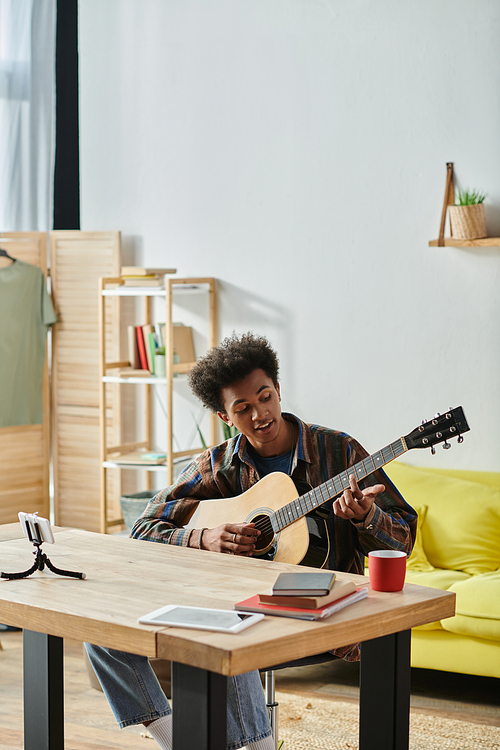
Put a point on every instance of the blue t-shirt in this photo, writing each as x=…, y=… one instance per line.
x=267, y=464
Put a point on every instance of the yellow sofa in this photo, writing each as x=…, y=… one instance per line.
x=457, y=549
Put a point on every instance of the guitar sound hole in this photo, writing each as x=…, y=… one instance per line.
x=266, y=538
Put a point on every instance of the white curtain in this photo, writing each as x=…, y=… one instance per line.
x=27, y=114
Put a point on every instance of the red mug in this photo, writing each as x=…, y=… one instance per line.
x=387, y=569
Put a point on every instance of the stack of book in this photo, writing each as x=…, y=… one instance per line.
x=305, y=596
x=144, y=342
x=139, y=276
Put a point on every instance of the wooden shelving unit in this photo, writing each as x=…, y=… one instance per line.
x=131, y=455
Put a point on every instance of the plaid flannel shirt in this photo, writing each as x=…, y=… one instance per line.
x=320, y=454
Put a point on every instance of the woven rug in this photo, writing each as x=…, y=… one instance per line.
x=315, y=724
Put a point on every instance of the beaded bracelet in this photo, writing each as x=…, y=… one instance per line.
x=200, y=535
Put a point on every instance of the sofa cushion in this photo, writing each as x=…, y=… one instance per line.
x=477, y=608
x=418, y=559
x=462, y=524
x=436, y=579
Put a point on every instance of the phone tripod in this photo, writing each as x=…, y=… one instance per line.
x=41, y=560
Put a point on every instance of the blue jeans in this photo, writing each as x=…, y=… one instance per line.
x=135, y=696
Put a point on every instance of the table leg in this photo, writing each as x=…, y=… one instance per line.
x=43, y=691
x=199, y=708
x=384, y=710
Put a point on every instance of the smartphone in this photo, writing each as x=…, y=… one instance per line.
x=36, y=528
x=201, y=618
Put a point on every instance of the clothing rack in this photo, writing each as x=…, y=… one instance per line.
x=25, y=449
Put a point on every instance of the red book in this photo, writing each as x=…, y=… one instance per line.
x=339, y=590
x=253, y=605
x=141, y=347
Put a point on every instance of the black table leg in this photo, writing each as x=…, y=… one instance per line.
x=384, y=711
x=43, y=691
x=199, y=709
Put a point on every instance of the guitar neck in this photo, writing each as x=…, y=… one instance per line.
x=304, y=504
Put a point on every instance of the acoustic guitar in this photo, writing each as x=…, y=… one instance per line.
x=293, y=526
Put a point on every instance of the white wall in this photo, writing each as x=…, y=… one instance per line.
x=296, y=150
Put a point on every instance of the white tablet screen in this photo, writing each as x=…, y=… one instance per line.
x=207, y=618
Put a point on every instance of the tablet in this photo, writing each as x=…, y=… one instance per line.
x=200, y=618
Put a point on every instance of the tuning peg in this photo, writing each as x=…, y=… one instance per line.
x=460, y=439
x=433, y=450
x=446, y=445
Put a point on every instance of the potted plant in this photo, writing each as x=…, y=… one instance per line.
x=467, y=220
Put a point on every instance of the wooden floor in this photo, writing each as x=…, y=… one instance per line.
x=90, y=725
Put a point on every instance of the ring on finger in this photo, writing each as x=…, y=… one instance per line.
x=234, y=538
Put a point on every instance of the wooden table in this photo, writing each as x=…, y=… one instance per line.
x=127, y=578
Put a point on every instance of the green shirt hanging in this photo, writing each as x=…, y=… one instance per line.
x=26, y=312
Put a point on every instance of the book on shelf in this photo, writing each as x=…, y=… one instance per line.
x=183, y=343
x=304, y=584
x=158, y=457
x=142, y=348
x=144, y=342
x=137, y=457
x=159, y=332
x=141, y=281
x=338, y=590
x=134, y=373
x=146, y=330
x=141, y=271
x=133, y=351
x=301, y=613
x=153, y=346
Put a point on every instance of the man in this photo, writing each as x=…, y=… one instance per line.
x=239, y=381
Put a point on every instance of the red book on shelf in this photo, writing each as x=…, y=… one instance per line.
x=141, y=347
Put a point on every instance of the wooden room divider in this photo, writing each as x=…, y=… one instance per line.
x=77, y=260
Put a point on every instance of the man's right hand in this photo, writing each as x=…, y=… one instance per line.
x=229, y=538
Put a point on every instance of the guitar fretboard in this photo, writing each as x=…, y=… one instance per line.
x=302, y=505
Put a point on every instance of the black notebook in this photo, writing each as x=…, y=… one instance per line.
x=304, y=584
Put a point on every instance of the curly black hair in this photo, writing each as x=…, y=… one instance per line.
x=234, y=359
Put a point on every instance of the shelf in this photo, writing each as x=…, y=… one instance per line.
x=154, y=291
x=135, y=291
x=138, y=465
x=454, y=242
x=152, y=380
x=133, y=460
x=179, y=369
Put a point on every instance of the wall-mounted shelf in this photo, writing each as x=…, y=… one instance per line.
x=453, y=242
x=449, y=200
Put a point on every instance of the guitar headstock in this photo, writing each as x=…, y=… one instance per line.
x=438, y=430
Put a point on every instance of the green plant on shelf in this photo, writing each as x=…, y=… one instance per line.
x=469, y=197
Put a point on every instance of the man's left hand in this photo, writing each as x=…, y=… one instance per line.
x=354, y=504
